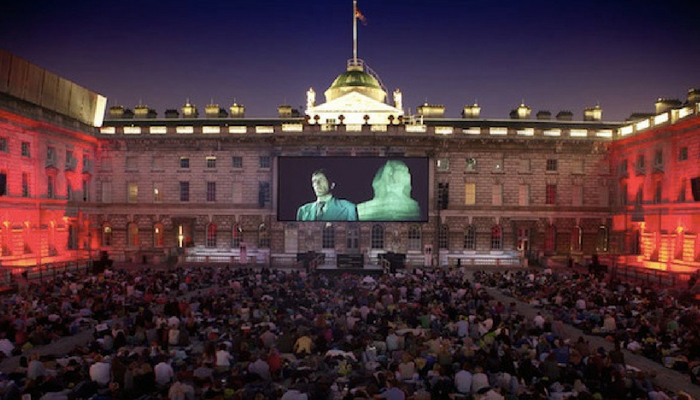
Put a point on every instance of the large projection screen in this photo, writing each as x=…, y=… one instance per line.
x=362, y=188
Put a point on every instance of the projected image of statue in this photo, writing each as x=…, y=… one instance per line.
x=326, y=207
x=392, y=195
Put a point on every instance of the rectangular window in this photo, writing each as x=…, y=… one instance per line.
x=497, y=194
x=50, y=192
x=443, y=195
x=683, y=154
x=640, y=166
x=470, y=194
x=157, y=163
x=86, y=162
x=25, y=184
x=237, y=162
x=659, y=159
x=525, y=166
x=26, y=149
x=578, y=167
x=551, y=194
x=604, y=196
x=86, y=190
x=131, y=163
x=658, y=193
x=265, y=161
x=328, y=237
x=211, y=162
x=3, y=145
x=524, y=195
x=70, y=161
x=69, y=191
x=263, y=194
x=499, y=165
x=623, y=194
x=471, y=164
x=552, y=164
x=51, y=156
x=622, y=169
x=443, y=164
x=184, y=191
x=211, y=191
x=106, y=192
x=184, y=162
x=132, y=192
x=3, y=184
x=106, y=164
x=157, y=193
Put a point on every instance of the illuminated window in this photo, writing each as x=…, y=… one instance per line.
x=132, y=234
x=444, y=237
x=576, y=239
x=211, y=191
x=443, y=164
x=157, y=192
x=26, y=149
x=132, y=192
x=50, y=190
x=211, y=236
x=184, y=162
x=184, y=191
x=496, y=238
x=602, y=240
x=414, y=238
x=264, y=161
x=106, y=235
x=470, y=238
x=211, y=162
x=263, y=237
x=237, y=162
x=524, y=195
x=377, y=237
x=470, y=193
x=471, y=164
x=497, y=194
x=236, y=236
x=328, y=237
x=683, y=154
x=352, y=238
x=25, y=184
x=552, y=164
x=551, y=194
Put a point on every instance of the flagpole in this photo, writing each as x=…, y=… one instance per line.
x=354, y=32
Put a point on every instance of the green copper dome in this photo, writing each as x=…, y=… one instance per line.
x=355, y=79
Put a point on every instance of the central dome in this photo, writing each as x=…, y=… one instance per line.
x=355, y=79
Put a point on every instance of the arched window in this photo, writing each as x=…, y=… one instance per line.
x=576, y=239
x=602, y=240
x=550, y=239
x=106, y=235
x=496, y=238
x=236, y=236
x=444, y=237
x=377, y=238
x=328, y=238
x=211, y=235
x=414, y=238
x=263, y=237
x=470, y=238
x=132, y=234
x=158, y=235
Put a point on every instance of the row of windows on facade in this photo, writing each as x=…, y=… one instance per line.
x=210, y=162
x=640, y=164
x=497, y=191
x=657, y=195
x=377, y=238
x=498, y=165
x=51, y=155
x=50, y=187
x=264, y=192
x=26, y=240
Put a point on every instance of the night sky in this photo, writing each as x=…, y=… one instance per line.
x=556, y=55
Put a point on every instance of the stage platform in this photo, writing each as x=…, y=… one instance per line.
x=332, y=269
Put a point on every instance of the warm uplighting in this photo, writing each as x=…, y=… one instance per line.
x=211, y=129
x=264, y=129
x=184, y=129
x=444, y=130
x=526, y=132
x=237, y=129
x=578, y=133
x=132, y=130
x=498, y=131
x=552, y=132
x=661, y=118
x=158, y=130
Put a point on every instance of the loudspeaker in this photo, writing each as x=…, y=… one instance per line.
x=695, y=187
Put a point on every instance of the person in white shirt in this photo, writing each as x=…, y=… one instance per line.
x=223, y=358
x=164, y=373
x=479, y=380
x=181, y=391
x=463, y=380
x=100, y=371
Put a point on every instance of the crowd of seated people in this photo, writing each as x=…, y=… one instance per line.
x=230, y=333
x=655, y=322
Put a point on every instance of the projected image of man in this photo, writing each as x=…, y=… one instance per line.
x=326, y=207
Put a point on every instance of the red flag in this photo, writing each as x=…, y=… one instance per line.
x=359, y=16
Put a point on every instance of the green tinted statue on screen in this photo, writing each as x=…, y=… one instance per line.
x=326, y=207
x=392, y=195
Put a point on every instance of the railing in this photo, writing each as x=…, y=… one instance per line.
x=651, y=276
x=10, y=277
x=483, y=261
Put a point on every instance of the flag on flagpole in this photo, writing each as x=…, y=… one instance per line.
x=360, y=16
